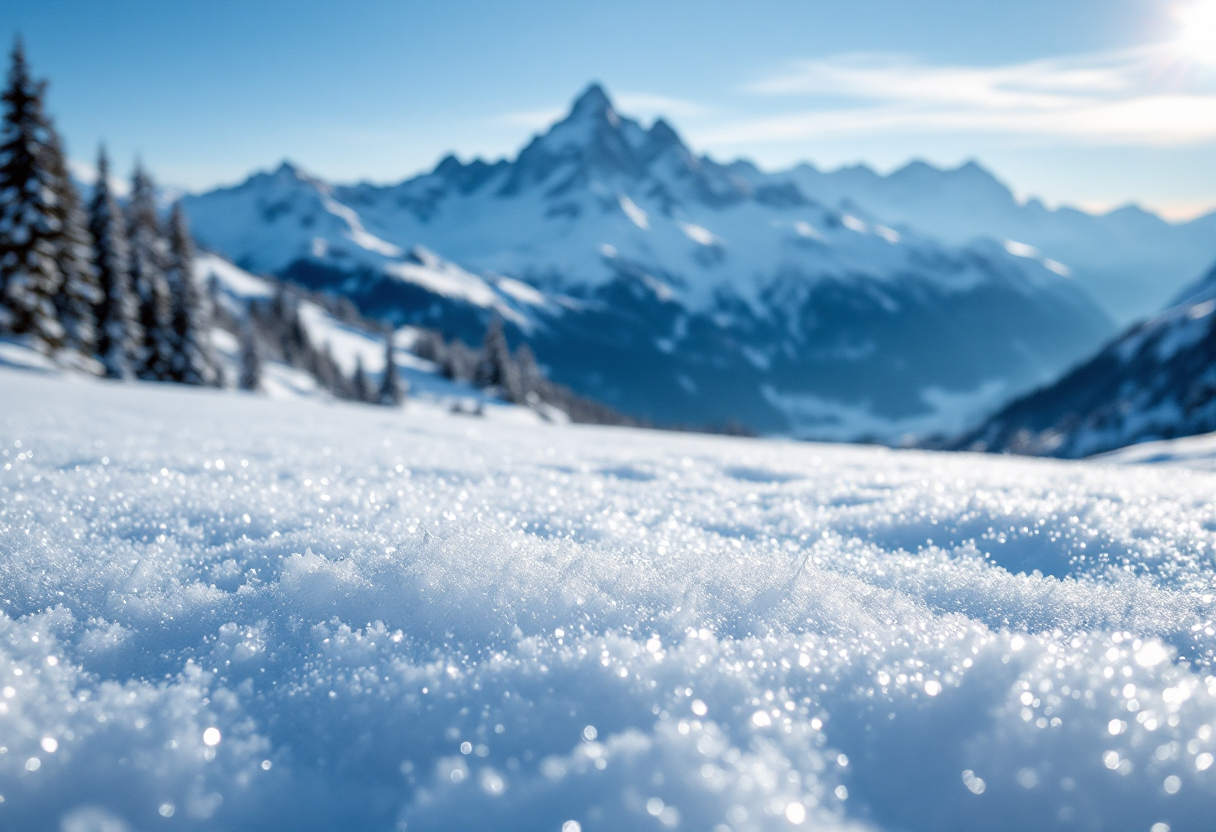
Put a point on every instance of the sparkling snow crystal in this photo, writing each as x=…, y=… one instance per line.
x=219, y=611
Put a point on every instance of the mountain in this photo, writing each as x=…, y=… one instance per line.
x=673, y=287
x=1109, y=255
x=1156, y=381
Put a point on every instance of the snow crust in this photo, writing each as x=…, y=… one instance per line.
x=219, y=611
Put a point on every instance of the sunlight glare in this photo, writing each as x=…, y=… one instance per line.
x=1197, y=31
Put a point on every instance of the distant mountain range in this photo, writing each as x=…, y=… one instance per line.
x=1131, y=261
x=838, y=305
x=1155, y=381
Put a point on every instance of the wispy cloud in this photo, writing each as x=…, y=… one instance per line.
x=1137, y=96
x=532, y=119
x=649, y=105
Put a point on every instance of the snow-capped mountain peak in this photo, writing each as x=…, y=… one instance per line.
x=288, y=175
x=593, y=142
x=748, y=297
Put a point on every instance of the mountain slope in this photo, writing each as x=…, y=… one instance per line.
x=1156, y=381
x=1109, y=254
x=673, y=287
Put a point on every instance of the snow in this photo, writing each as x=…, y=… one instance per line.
x=700, y=234
x=347, y=344
x=854, y=224
x=15, y=353
x=1029, y=252
x=598, y=202
x=805, y=229
x=550, y=229
x=222, y=611
x=1108, y=254
x=945, y=411
x=522, y=292
x=356, y=233
x=237, y=282
x=636, y=215
x=1021, y=249
x=1197, y=452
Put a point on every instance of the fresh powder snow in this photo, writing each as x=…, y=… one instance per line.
x=230, y=612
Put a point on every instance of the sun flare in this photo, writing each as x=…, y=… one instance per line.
x=1197, y=31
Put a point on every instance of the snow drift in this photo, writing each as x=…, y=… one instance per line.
x=227, y=612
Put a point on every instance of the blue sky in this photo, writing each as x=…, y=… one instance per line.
x=1088, y=102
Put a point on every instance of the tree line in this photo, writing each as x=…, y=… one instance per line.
x=272, y=328
x=514, y=376
x=113, y=284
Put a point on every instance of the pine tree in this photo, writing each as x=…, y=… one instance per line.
x=293, y=335
x=192, y=360
x=251, y=359
x=496, y=369
x=392, y=387
x=460, y=361
x=119, y=337
x=362, y=388
x=148, y=278
x=530, y=376
x=430, y=345
x=327, y=372
x=29, y=226
x=79, y=291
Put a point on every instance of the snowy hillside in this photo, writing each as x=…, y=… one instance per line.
x=348, y=345
x=1156, y=381
x=224, y=612
x=673, y=287
x=1195, y=452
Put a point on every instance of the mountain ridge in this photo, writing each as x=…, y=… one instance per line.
x=1108, y=253
x=1155, y=381
x=728, y=293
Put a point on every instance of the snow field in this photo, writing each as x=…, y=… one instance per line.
x=227, y=612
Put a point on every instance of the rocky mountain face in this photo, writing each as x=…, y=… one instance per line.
x=1155, y=381
x=676, y=288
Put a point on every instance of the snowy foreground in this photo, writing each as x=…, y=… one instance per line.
x=233, y=613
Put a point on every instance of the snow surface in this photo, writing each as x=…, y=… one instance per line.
x=221, y=611
x=1198, y=452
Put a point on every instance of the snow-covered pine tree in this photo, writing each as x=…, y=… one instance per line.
x=460, y=361
x=29, y=226
x=430, y=346
x=362, y=388
x=148, y=279
x=295, y=344
x=78, y=292
x=192, y=359
x=251, y=359
x=392, y=386
x=119, y=336
x=327, y=372
x=530, y=376
x=496, y=369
